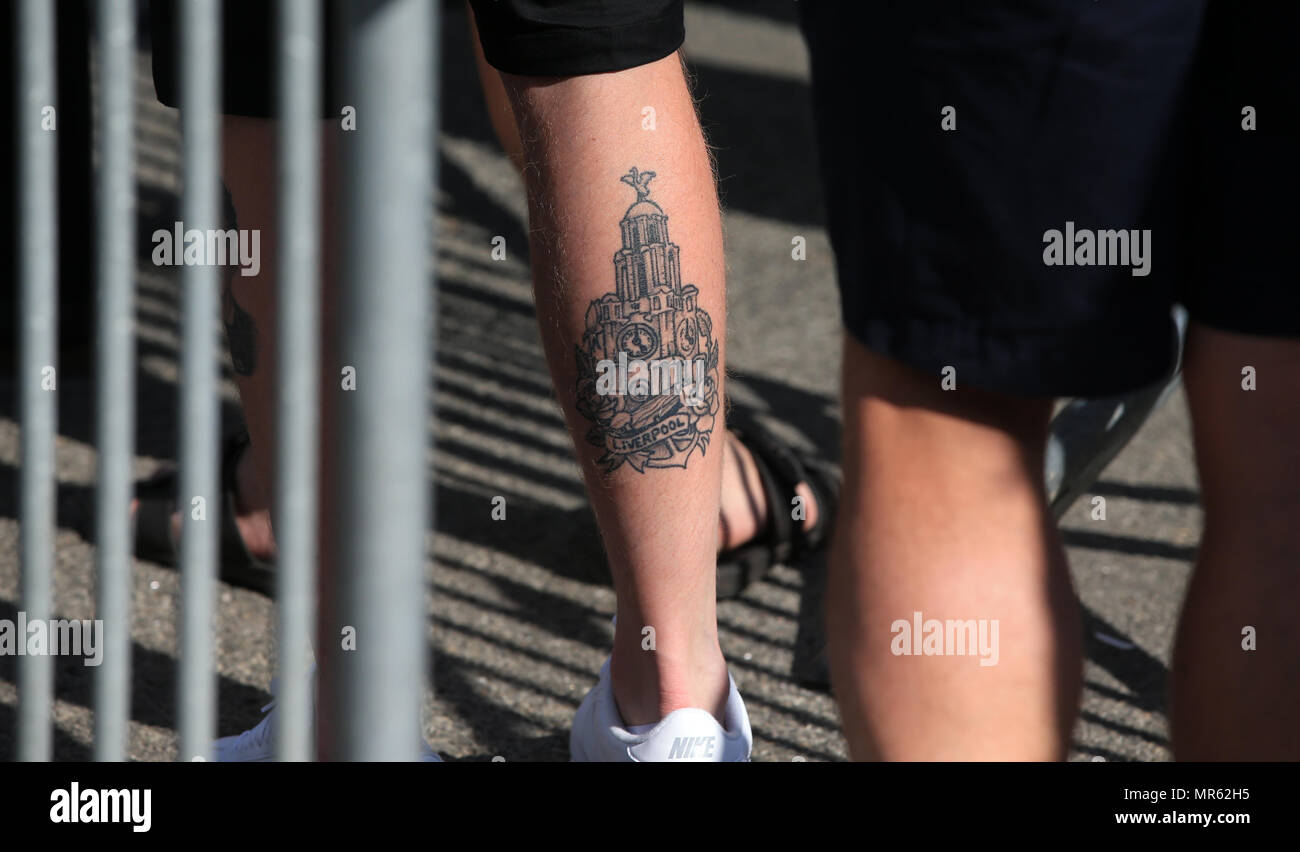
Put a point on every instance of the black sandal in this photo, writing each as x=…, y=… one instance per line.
x=784, y=542
x=154, y=541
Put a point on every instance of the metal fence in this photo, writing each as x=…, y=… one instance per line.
x=389, y=52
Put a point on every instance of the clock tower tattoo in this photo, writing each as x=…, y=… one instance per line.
x=648, y=361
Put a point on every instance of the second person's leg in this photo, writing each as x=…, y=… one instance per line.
x=944, y=515
x=642, y=278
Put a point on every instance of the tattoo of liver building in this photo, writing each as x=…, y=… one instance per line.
x=648, y=361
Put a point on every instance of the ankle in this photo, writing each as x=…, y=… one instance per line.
x=648, y=685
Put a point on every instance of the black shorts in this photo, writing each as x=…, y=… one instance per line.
x=529, y=37
x=1124, y=120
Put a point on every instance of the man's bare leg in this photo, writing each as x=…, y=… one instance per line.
x=1230, y=703
x=248, y=303
x=744, y=509
x=249, y=308
x=581, y=137
x=943, y=513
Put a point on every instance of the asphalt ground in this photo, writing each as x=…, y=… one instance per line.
x=520, y=610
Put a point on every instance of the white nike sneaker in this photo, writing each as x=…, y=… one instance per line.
x=688, y=734
x=258, y=742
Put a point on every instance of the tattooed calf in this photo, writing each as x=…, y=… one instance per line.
x=648, y=362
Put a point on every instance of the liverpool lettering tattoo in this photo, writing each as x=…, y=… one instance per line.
x=648, y=361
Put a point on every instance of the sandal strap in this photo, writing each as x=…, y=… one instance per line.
x=778, y=471
x=781, y=469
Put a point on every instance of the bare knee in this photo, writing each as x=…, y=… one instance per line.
x=896, y=414
x=1245, y=408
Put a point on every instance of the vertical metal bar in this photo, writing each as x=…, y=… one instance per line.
x=115, y=393
x=37, y=268
x=200, y=38
x=384, y=430
x=298, y=359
